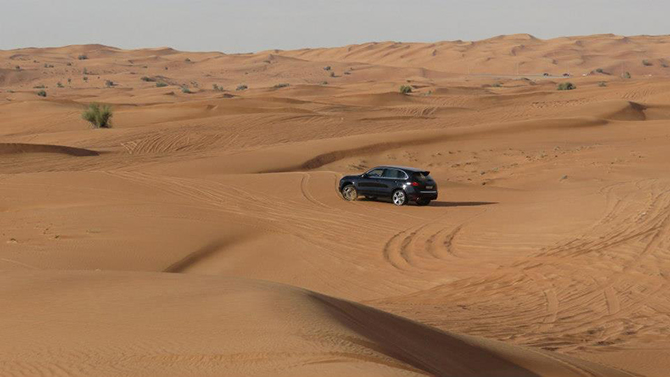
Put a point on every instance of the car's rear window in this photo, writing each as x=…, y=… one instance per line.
x=422, y=176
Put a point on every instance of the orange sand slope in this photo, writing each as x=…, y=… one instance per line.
x=203, y=234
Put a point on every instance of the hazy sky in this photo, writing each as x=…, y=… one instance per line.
x=253, y=25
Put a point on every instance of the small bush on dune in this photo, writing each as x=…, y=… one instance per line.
x=41, y=86
x=217, y=88
x=242, y=87
x=405, y=89
x=109, y=83
x=100, y=116
x=327, y=68
x=147, y=79
x=18, y=67
x=186, y=90
x=602, y=84
x=566, y=86
x=282, y=85
x=60, y=85
x=626, y=75
x=647, y=63
x=161, y=84
x=82, y=57
x=42, y=93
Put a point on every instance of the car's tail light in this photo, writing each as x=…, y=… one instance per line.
x=415, y=184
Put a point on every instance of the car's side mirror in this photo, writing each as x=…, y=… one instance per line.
x=364, y=175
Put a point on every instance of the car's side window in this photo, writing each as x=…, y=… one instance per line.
x=394, y=174
x=375, y=173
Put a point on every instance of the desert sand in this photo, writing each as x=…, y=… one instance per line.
x=203, y=235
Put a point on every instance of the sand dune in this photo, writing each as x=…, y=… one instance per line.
x=213, y=326
x=203, y=234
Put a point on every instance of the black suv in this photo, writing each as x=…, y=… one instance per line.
x=400, y=184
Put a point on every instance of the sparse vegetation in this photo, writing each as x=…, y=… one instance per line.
x=187, y=60
x=60, y=85
x=85, y=71
x=161, y=84
x=41, y=86
x=626, y=75
x=566, y=86
x=405, y=89
x=85, y=78
x=100, y=116
x=324, y=83
x=497, y=85
x=148, y=79
x=332, y=74
x=82, y=57
x=186, y=90
x=48, y=65
x=217, y=88
x=68, y=64
x=109, y=83
x=327, y=68
x=18, y=67
x=600, y=70
x=647, y=63
x=602, y=84
x=69, y=81
x=664, y=64
x=42, y=93
x=281, y=85
x=242, y=87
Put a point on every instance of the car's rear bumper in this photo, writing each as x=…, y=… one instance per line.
x=426, y=195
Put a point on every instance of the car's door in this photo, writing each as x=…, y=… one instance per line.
x=391, y=180
x=369, y=184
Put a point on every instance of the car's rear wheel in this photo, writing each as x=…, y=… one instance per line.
x=399, y=198
x=349, y=193
x=423, y=202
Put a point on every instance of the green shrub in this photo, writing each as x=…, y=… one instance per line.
x=324, y=83
x=647, y=63
x=626, y=75
x=405, y=89
x=69, y=81
x=497, y=85
x=109, y=83
x=242, y=87
x=42, y=93
x=161, y=84
x=281, y=85
x=566, y=86
x=187, y=60
x=85, y=78
x=327, y=68
x=186, y=90
x=60, y=85
x=332, y=74
x=82, y=57
x=602, y=84
x=148, y=79
x=100, y=116
x=41, y=86
x=217, y=88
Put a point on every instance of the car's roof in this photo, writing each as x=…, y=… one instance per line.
x=405, y=168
